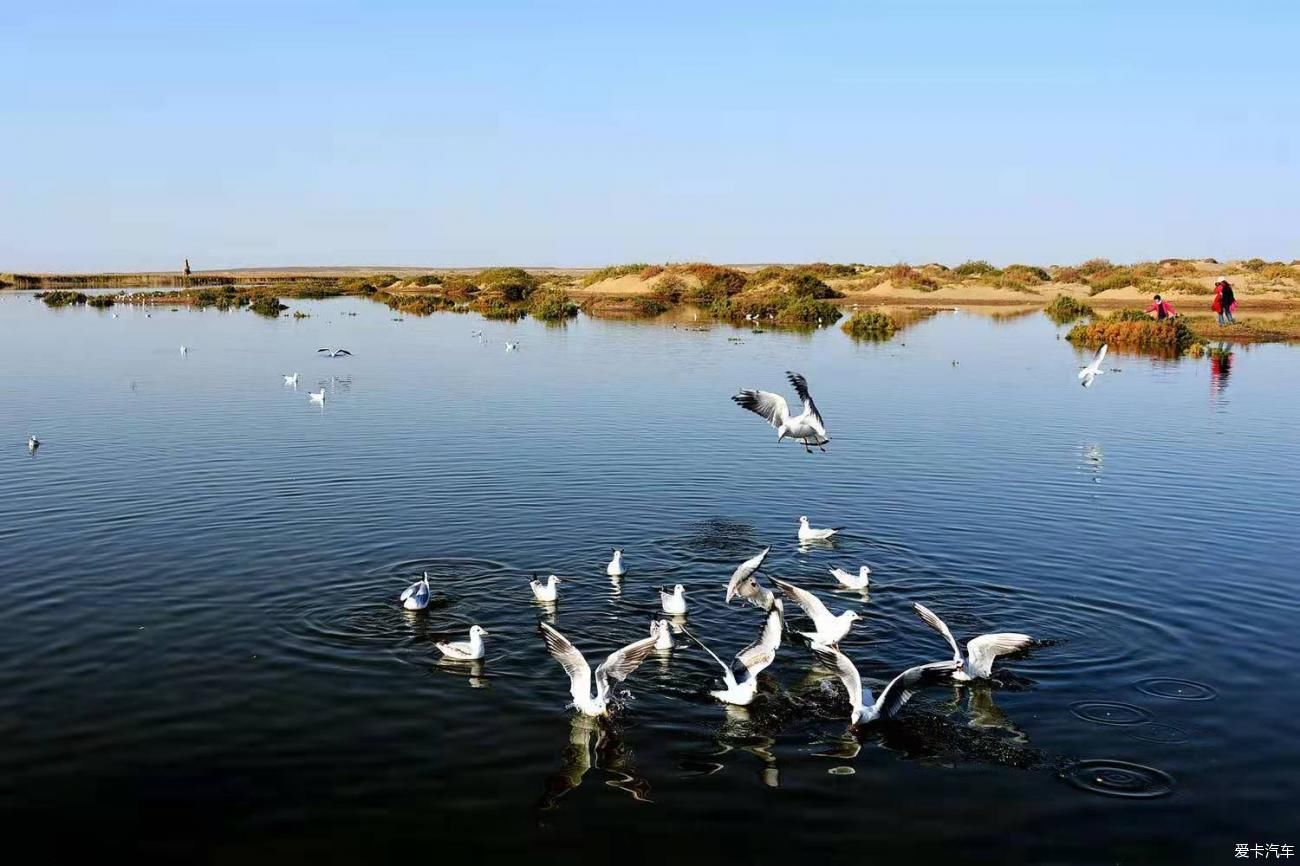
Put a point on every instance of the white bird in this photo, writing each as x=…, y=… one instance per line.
x=860, y=581
x=617, y=667
x=615, y=567
x=807, y=427
x=333, y=353
x=1090, y=373
x=317, y=396
x=33, y=443
x=548, y=591
x=115, y=315
x=662, y=633
x=744, y=584
x=465, y=650
x=899, y=691
x=184, y=350
x=476, y=333
x=980, y=651
x=416, y=596
x=807, y=533
x=752, y=660
x=291, y=380
x=510, y=347
x=829, y=629
x=675, y=601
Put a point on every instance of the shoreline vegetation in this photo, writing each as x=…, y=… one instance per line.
x=1108, y=296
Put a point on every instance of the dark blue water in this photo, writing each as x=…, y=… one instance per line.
x=202, y=653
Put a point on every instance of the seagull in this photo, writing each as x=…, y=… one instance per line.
x=548, y=591
x=896, y=694
x=32, y=442
x=510, y=347
x=861, y=581
x=829, y=628
x=317, y=396
x=416, y=596
x=808, y=427
x=476, y=333
x=333, y=353
x=1090, y=373
x=465, y=650
x=615, y=567
x=618, y=667
x=184, y=350
x=743, y=584
x=291, y=380
x=980, y=651
x=807, y=533
x=675, y=601
x=753, y=660
x=662, y=633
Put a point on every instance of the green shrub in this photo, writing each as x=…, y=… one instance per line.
x=513, y=284
x=870, y=326
x=268, y=305
x=1029, y=274
x=976, y=268
x=1095, y=267
x=552, y=305
x=804, y=310
x=613, y=272
x=903, y=276
x=1064, y=309
x=1254, y=264
x=669, y=290
x=100, y=301
x=648, y=305
x=62, y=298
x=1171, y=337
x=1186, y=287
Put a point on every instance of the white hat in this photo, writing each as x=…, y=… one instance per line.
x=1220, y=279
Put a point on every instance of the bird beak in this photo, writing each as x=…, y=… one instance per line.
x=483, y=631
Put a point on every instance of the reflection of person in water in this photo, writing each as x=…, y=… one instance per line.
x=1220, y=369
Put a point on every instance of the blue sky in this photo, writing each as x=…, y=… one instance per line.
x=476, y=133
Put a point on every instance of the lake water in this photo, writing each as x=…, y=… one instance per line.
x=202, y=653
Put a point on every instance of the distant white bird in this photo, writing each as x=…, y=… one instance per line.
x=1090, y=373
x=617, y=667
x=980, y=651
x=896, y=694
x=744, y=584
x=807, y=533
x=317, y=396
x=674, y=601
x=828, y=628
x=510, y=347
x=859, y=581
x=615, y=567
x=465, y=650
x=807, y=427
x=291, y=380
x=662, y=633
x=416, y=596
x=548, y=591
x=184, y=350
x=476, y=333
x=333, y=353
x=750, y=662
x=33, y=443
x=115, y=315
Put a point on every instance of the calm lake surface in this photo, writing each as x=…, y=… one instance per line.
x=202, y=653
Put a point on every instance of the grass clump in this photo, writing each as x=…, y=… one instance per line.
x=62, y=298
x=976, y=268
x=1064, y=309
x=512, y=284
x=613, y=272
x=422, y=304
x=1185, y=287
x=267, y=305
x=1178, y=268
x=827, y=271
x=552, y=305
x=904, y=276
x=870, y=326
x=1123, y=330
x=100, y=301
x=1278, y=271
x=1031, y=275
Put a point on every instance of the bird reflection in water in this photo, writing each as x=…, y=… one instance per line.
x=1093, y=459
x=981, y=711
x=472, y=669
x=594, y=741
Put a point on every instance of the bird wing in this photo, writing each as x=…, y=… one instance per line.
x=938, y=625
x=742, y=577
x=843, y=576
x=571, y=660
x=1101, y=355
x=800, y=385
x=620, y=665
x=982, y=650
x=771, y=406
x=410, y=590
x=909, y=682
x=762, y=652
x=324, y=349
x=811, y=604
x=847, y=671
x=342, y=352
x=726, y=671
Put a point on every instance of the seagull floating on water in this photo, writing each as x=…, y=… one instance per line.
x=896, y=694
x=807, y=533
x=510, y=347
x=317, y=396
x=33, y=443
x=662, y=633
x=476, y=333
x=807, y=427
x=859, y=581
x=465, y=650
x=674, y=601
x=752, y=660
x=615, y=567
x=617, y=667
x=980, y=651
x=416, y=596
x=291, y=380
x=184, y=350
x=1089, y=374
x=333, y=353
x=829, y=629
x=744, y=584
x=548, y=591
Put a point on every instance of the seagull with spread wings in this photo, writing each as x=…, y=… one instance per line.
x=1089, y=374
x=829, y=629
x=752, y=660
x=618, y=667
x=866, y=707
x=980, y=651
x=806, y=427
x=744, y=584
x=333, y=353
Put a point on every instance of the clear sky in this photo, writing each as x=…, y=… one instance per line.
x=475, y=133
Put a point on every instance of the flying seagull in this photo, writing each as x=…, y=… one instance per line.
x=548, y=591
x=980, y=651
x=752, y=661
x=828, y=628
x=332, y=353
x=1090, y=373
x=859, y=581
x=465, y=650
x=867, y=709
x=807, y=533
x=744, y=584
x=807, y=427
x=618, y=667
x=674, y=601
x=416, y=596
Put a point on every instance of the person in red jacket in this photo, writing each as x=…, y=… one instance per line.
x=1162, y=309
x=1225, y=302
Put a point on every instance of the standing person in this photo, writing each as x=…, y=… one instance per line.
x=1225, y=301
x=1162, y=309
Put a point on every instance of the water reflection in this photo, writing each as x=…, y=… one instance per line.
x=1221, y=358
x=1093, y=459
x=471, y=669
x=594, y=742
